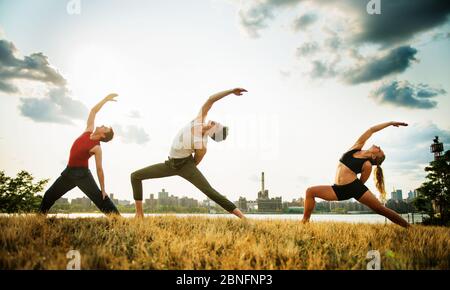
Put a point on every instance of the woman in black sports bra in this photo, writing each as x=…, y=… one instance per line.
x=348, y=185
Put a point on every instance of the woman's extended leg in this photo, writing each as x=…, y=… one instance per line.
x=88, y=185
x=371, y=201
x=325, y=192
x=60, y=187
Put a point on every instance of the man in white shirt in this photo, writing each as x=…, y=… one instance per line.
x=187, y=151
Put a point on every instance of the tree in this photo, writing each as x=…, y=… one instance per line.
x=19, y=194
x=434, y=194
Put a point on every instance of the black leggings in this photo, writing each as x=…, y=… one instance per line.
x=83, y=179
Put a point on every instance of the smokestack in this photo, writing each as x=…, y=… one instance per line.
x=262, y=184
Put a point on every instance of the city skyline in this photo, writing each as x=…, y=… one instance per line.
x=148, y=195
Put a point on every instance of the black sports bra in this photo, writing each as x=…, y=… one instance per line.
x=355, y=164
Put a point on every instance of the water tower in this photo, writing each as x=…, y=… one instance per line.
x=437, y=148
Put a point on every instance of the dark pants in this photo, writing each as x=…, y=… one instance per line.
x=185, y=168
x=83, y=179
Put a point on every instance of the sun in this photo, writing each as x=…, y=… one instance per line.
x=94, y=69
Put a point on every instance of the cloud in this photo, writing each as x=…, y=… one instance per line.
x=304, y=21
x=132, y=134
x=7, y=88
x=401, y=20
x=409, y=148
x=351, y=28
x=307, y=49
x=398, y=22
x=33, y=67
x=395, y=61
x=322, y=70
x=253, y=18
x=333, y=43
x=56, y=106
x=441, y=36
x=405, y=94
x=420, y=135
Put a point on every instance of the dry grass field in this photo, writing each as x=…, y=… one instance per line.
x=168, y=242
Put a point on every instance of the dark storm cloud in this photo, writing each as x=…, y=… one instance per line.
x=396, y=61
x=399, y=21
x=405, y=94
x=33, y=67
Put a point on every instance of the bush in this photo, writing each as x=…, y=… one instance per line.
x=18, y=195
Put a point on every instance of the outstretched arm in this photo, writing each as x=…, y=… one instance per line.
x=97, y=150
x=214, y=98
x=91, y=119
x=364, y=137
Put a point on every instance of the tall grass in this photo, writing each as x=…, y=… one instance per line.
x=168, y=242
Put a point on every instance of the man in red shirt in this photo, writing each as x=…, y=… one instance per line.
x=77, y=173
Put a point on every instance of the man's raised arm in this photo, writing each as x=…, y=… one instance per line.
x=214, y=98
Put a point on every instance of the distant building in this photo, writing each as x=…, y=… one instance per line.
x=188, y=202
x=163, y=198
x=270, y=205
x=151, y=202
x=242, y=204
x=266, y=204
x=62, y=201
x=294, y=203
x=124, y=202
x=412, y=194
x=114, y=200
x=163, y=194
x=173, y=201
x=83, y=201
x=397, y=195
x=252, y=205
x=208, y=202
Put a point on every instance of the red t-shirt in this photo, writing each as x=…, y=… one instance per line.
x=79, y=153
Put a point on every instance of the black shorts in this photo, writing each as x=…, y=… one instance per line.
x=355, y=189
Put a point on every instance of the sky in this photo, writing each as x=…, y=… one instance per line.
x=318, y=74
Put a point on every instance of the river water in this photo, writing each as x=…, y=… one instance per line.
x=349, y=218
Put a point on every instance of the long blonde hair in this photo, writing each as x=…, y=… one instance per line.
x=379, y=178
